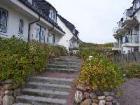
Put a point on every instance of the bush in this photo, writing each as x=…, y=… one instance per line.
x=132, y=70
x=56, y=51
x=19, y=59
x=100, y=74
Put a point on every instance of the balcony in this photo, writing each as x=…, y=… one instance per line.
x=125, y=26
x=131, y=41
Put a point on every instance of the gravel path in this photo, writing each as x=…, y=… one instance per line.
x=130, y=92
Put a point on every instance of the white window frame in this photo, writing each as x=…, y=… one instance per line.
x=21, y=27
x=2, y=21
x=52, y=15
x=40, y=33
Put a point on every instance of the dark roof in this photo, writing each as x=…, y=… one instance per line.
x=135, y=12
x=69, y=25
x=130, y=11
x=42, y=7
x=134, y=1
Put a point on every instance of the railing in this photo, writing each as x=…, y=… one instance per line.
x=131, y=39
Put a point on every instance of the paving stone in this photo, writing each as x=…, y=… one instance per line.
x=86, y=102
x=101, y=97
x=109, y=98
x=102, y=102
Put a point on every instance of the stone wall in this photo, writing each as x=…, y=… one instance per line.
x=1, y=94
x=8, y=93
x=89, y=97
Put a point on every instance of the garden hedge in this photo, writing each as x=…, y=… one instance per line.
x=19, y=59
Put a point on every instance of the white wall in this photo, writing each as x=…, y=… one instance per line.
x=14, y=15
x=65, y=40
x=13, y=23
x=74, y=44
x=125, y=50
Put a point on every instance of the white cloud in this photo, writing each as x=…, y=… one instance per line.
x=94, y=19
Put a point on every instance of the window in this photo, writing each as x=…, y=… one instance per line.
x=3, y=20
x=51, y=39
x=40, y=33
x=52, y=15
x=37, y=32
x=54, y=40
x=21, y=26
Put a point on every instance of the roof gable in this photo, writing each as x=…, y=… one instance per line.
x=69, y=25
x=42, y=8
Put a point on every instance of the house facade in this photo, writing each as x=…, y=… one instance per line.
x=70, y=38
x=30, y=20
x=127, y=33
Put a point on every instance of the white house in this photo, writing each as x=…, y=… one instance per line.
x=30, y=20
x=70, y=40
x=127, y=33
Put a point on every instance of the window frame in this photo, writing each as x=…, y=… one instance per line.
x=21, y=27
x=40, y=33
x=6, y=20
x=53, y=15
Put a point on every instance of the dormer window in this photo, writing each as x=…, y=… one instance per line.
x=30, y=1
x=52, y=15
x=136, y=5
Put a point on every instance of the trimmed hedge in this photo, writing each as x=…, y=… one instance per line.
x=19, y=59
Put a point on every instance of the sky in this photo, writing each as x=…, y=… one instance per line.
x=94, y=19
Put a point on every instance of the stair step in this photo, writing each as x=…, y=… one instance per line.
x=40, y=100
x=45, y=93
x=51, y=80
x=62, y=66
x=67, y=59
x=42, y=90
x=62, y=70
x=65, y=62
x=21, y=104
x=55, y=87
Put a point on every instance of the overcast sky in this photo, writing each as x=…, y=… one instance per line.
x=95, y=19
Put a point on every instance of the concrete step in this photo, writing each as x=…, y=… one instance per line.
x=22, y=104
x=40, y=100
x=51, y=80
x=64, y=66
x=47, y=86
x=71, y=64
x=66, y=62
x=45, y=93
x=62, y=70
x=66, y=59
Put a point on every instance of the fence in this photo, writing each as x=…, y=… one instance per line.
x=126, y=58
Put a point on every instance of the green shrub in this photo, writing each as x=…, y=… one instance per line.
x=132, y=70
x=56, y=51
x=100, y=74
x=19, y=59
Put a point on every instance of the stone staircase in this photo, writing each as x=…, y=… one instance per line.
x=52, y=87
